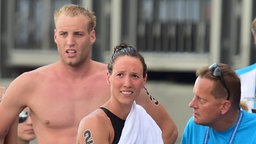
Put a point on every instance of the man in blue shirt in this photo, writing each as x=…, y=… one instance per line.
x=217, y=117
x=248, y=78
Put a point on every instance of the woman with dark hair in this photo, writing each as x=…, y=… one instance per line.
x=120, y=119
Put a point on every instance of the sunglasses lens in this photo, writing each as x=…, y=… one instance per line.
x=216, y=71
x=22, y=119
x=23, y=116
x=213, y=66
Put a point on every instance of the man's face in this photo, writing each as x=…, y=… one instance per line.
x=73, y=39
x=207, y=109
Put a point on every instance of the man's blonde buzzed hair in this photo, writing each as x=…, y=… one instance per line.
x=75, y=10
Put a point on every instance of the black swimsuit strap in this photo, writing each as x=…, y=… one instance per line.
x=117, y=124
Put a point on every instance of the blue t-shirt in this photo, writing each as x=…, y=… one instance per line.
x=246, y=132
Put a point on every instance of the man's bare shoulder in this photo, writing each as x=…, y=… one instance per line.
x=27, y=81
x=99, y=69
x=23, y=88
x=99, y=65
x=35, y=74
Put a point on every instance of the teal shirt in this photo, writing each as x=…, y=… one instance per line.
x=246, y=132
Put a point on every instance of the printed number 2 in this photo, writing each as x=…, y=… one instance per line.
x=88, y=137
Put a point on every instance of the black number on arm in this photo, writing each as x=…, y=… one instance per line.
x=151, y=98
x=88, y=137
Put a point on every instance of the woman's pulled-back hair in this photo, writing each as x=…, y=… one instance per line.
x=126, y=50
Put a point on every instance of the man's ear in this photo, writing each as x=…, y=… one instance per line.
x=55, y=35
x=108, y=77
x=92, y=36
x=226, y=105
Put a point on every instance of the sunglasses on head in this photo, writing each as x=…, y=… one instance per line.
x=216, y=72
x=23, y=116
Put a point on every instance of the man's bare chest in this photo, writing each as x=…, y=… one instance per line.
x=63, y=106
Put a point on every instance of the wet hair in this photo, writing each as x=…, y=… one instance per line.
x=126, y=50
x=76, y=10
x=230, y=78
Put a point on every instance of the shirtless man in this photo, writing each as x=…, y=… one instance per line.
x=61, y=94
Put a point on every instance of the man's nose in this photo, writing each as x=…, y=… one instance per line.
x=70, y=40
x=192, y=103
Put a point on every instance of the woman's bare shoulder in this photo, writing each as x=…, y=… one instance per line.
x=96, y=127
x=96, y=117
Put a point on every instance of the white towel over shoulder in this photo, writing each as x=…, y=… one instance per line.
x=140, y=128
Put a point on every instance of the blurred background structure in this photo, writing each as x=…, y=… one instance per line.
x=174, y=36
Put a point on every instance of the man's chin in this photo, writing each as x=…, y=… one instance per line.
x=197, y=121
x=200, y=123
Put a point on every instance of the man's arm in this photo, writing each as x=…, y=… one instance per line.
x=160, y=115
x=12, y=136
x=13, y=102
x=2, y=90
